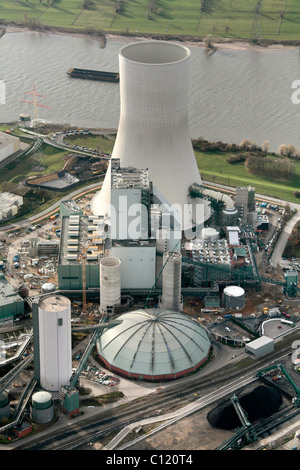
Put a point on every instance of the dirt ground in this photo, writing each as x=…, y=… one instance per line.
x=191, y=433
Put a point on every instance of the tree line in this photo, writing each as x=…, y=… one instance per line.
x=257, y=159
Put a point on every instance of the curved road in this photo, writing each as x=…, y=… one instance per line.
x=276, y=257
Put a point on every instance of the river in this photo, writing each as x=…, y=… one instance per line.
x=235, y=93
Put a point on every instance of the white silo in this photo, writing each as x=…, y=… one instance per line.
x=52, y=342
x=153, y=128
x=171, y=283
x=110, y=284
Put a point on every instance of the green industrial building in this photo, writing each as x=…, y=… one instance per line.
x=11, y=303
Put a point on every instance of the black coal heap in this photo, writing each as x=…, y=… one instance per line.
x=262, y=402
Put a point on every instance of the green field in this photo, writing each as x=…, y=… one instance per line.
x=278, y=19
x=214, y=167
x=101, y=143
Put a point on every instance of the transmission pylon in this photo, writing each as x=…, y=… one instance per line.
x=35, y=103
x=257, y=28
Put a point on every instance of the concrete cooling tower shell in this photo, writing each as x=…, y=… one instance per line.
x=153, y=128
x=154, y=344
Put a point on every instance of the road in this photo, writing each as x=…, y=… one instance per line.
x=276, y=257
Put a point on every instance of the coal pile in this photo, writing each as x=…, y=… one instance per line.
x=262, y=402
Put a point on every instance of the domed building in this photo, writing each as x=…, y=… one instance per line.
x=154, y=344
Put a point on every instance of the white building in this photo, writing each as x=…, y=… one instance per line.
x=260, y=347
x=9, y=205
x=130, y=201
x=138, y=261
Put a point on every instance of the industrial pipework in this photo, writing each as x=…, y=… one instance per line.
x=197, y=189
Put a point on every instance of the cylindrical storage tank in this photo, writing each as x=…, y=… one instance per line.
x=110, y=284
x=24, y=120
x=4, y=405
x=55, y=348
x=48, y=288
x=42, y=408
x=171, y=283
x=234, y=297
x=154, y=77
x=209, y=233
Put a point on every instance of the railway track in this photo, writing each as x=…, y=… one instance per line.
x=174, y=398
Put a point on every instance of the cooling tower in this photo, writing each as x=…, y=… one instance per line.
x=153, y=128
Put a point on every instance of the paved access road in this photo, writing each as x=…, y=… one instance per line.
x=276, y=257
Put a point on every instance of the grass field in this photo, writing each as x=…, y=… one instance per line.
x=102, y=144
x=214, y=167
x=278, y=19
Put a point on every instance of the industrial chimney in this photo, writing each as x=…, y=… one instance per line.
x=153, y=128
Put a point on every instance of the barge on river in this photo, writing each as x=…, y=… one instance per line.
x=93, y=75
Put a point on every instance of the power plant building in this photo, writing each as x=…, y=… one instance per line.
x=245, y=202
x=69, y=207
x=80, y=236
x=138, y=262
x=11, y=303
x=130, y=202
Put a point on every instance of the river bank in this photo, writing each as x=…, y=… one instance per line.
x=195, y=41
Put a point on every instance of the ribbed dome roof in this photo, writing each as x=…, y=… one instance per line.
x=154, y=344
